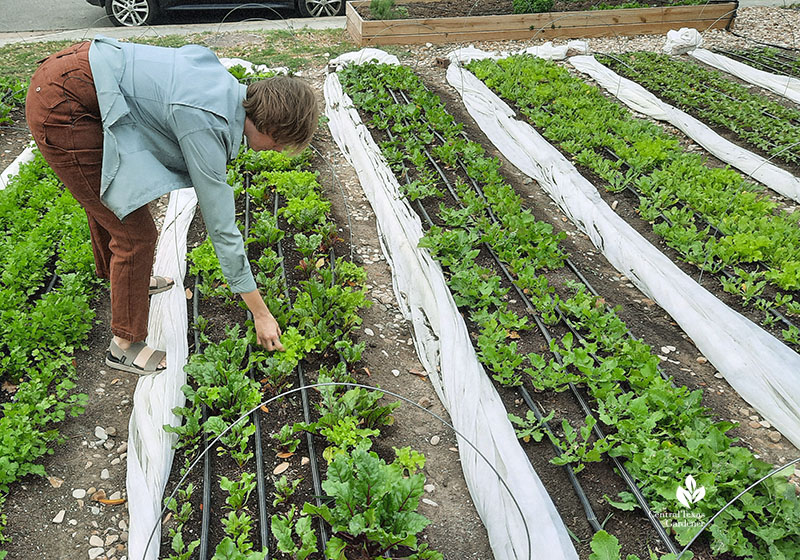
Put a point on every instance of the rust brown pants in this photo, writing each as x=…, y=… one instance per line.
x=64, y=118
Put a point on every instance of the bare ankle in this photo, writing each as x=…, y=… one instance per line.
x=123, y=343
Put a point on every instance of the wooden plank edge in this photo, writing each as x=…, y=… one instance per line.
x=549, y=33
x=599, y=17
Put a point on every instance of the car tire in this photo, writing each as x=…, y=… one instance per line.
x=320, y=8
x=131, y=13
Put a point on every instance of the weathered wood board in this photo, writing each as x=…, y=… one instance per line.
x=595, y=23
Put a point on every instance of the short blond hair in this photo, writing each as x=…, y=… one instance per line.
x=284, y=107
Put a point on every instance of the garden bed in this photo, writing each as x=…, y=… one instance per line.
x=562, y=24
x=33, y=504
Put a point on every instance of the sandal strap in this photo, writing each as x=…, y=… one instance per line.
x=154, y=360
x=128, y=357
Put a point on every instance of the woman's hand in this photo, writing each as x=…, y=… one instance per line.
x=268, y=332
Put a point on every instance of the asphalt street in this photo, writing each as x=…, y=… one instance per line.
x=25, y=16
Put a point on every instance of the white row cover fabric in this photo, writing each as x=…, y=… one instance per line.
x=689, y=41
x=786, y=86
x=681, y=41
x=150, y=450
x=763, y=370
x=546, y=50
x=13, y=167
x=641, y=100
x=149, y=446
x=362, y=56
x=252, y=68
x=443, y=344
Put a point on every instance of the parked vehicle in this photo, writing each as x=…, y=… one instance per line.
x=133, y=13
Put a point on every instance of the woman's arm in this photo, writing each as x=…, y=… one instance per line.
x=268, y=333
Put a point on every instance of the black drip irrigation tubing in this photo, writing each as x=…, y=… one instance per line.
x=591, y=516
x=774, y=46
x=786, y=69
x=742, y=102
x=205, y=520
x=312, y=454
x=630, y=482
x=258, y=448
x=52, y=283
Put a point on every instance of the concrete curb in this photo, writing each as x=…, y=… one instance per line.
x=293, y=24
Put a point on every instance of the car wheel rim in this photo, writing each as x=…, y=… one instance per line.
x=130, y=12
x=319, y=8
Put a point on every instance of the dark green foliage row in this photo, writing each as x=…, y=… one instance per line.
x=661, y=432
x=755, y=241
x=320, y=320
x=44, y=233
x=710, y=96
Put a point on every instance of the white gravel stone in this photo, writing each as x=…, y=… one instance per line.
x=396, y=372
x=111, y=539
x=104, y=474
x=94, y=540
x=95, y=510
x=95, y=553
x=100, y=433
x=435, y=440
x=59, y=516
x=79, y=493
x=429, y=488
x=765, y=424
x=115, y=496
x=429, y=502
x=369, y=331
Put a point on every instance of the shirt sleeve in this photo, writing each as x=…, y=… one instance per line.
x=205, y=153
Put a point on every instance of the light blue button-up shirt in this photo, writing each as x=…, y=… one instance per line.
x=172, y=118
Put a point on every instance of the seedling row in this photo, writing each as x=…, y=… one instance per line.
x=652, y=427
x=709, y=95
x=715, y=219
x=46, y=285
x=363, y=504
x=776, y=60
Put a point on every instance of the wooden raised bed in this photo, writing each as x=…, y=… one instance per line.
x=594, y=23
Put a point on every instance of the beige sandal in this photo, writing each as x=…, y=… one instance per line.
x=123, y=360
x=162, y=285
